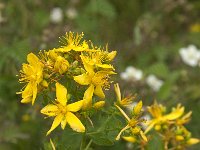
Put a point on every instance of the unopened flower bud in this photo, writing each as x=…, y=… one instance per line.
x=179, y=138
x=61, y=65
x=157, y=127
x=46, y=76
x=44, y=83
x=136, y=130
x=99, y=105
x=192, y=141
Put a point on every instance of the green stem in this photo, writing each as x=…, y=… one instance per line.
x=83, y=141
x=88, y=146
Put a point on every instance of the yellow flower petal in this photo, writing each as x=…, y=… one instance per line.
x=88, y=67
x=105, y=66
x=99, y=91
x=74, y=122
x=111, y=55
x=150, y=125
x=27, y=94
x=137, y=108
x=89, y=92
x=82, y=79
x=61, y=94
x=26, y=100
x=34, y=88
x=55, y=123
x=175, y=114
x=88, y=97
x=64, y=122
x=117, y=91
x=50, y=110
x=74, y=107
x=129, y=139
x=32, y=59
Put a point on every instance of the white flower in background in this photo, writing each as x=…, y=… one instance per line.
x=71, y=13
x=56, y=15
x=154, y=82
x=190, y=55
x=131, y=74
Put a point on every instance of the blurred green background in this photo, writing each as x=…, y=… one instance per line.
x=147, y=35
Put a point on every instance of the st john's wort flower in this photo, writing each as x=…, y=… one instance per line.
x=33, y=74
x=63, y=112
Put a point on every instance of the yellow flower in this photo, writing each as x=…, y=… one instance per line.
x=54, y=61
x=61, y=65
x=73, y=43
x=97, y=80
x=63, y=112
x=99, y=58
x=125, y=101
x=158, y=117
x=132, y=125
x=33, y=74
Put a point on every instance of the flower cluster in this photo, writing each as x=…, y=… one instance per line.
x=78, y=63
x=78, y=73
x=133, y=128
x=171, y=126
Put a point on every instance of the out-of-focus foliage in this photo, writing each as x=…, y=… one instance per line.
x=147, y=35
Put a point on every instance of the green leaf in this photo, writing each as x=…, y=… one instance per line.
x=159, y=69
x=155, y=143
x=165, y=90
x=101, y=139
x=102, y=7
x=137, y=35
